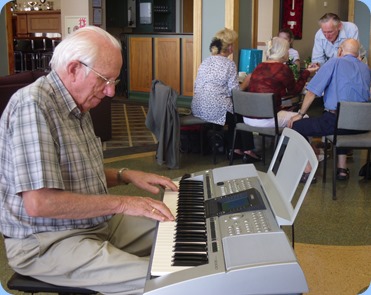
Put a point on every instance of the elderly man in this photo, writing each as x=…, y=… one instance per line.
x=344, y=78
x=59, y=223
x=328, y=38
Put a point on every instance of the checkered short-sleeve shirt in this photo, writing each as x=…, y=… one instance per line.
x=46, y=142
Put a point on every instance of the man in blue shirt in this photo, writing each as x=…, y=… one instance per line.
x=344, y=78
x=328, y=38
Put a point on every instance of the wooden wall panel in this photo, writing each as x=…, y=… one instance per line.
x=188, y=16
x=22, y=29
x=167, y=61
x=197, y=36
x=10, y=21
x=45, y=23
x=140, y=64
x=187, y=67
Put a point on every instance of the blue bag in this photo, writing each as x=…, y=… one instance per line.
x=249, y=59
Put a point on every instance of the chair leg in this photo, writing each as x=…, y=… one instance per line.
x=276, y=137
x=231, y=153
x=202, y=139
x=368, y=165
x=325, y=162
x=263, y=143
x=214, y=144
x=334, y=172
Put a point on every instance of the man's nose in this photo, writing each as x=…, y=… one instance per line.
x=110, y=90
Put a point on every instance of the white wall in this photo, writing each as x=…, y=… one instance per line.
x=213, y=20
x=71, y=10
x=265, y=23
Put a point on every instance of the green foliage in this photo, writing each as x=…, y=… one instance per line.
x=294, y=68
x=307, y=61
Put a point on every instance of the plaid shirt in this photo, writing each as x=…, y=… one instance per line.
x=46, y=142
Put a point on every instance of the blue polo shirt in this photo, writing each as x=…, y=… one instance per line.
x=341, y=79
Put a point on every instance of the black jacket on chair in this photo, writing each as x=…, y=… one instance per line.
x=163, y=121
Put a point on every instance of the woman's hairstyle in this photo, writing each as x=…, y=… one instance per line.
x=80, y=46
x=277, y=49
x=329, y=16
x=221, y=41
x=288, y=32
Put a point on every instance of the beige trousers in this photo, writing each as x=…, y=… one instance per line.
x=109, y=258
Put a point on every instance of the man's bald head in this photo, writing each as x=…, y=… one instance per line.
x=350, y=46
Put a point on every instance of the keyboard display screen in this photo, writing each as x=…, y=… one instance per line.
x=247, y=200
x=233, y=204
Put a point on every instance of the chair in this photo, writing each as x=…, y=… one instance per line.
x=350, y=116
x=249, y=104
x=190, y=120
x=18, y=61
x=27, y=284
x=164, y=122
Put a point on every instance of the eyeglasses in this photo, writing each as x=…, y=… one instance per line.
x=108, y=81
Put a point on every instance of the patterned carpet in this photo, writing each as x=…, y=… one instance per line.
x=129, y=133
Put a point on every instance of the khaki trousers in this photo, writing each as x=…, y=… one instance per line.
x=109, y=258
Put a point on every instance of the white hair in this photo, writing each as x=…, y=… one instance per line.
x=277, y=48
x=80, y=46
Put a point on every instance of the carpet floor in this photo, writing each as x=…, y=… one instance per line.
x=129, y=133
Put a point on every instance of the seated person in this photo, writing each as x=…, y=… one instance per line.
x=342, y=78
x=59, y=222
x=274, y=76
x=287, y=34
x=216, y=78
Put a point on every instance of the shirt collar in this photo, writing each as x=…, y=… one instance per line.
x=61, y=91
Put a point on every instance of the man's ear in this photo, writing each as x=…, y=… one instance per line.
x=72, y=69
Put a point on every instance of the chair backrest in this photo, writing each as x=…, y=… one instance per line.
x=354, y=115
x=250, y=104
x=281, y=181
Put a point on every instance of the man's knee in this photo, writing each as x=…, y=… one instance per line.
x=299, y=126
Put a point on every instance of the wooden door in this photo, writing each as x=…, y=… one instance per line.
x=140, y=63
x=167, y=61
x=187, y=66
x=10, y=37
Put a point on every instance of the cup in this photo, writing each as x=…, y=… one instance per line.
x=241, y=76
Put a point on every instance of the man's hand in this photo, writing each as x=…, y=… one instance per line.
x=149, y=181
x=313, y=68
x=293, y=119
x=148, y=207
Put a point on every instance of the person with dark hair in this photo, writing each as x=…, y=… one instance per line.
x=328, y=38
x=216, y=78
x=59, y=222
x=294, y=56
